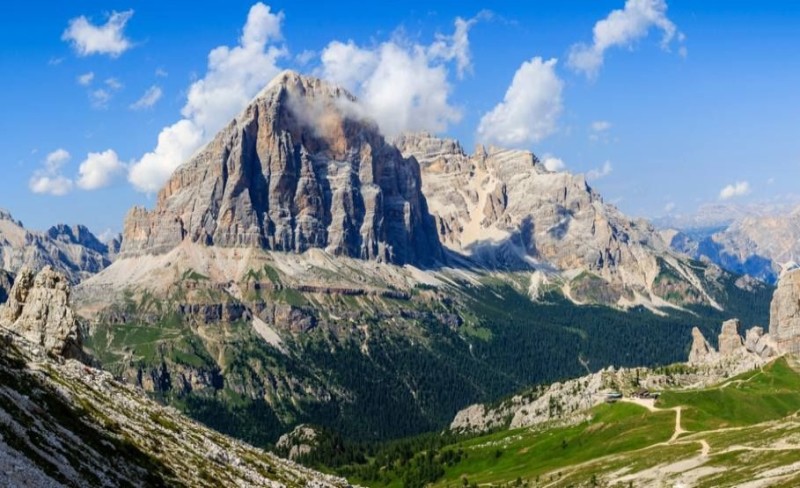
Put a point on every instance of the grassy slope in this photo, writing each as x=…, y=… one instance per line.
x=749, y=423
x=750, y=398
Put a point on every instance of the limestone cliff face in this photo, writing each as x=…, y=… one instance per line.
x=297, y=169
x=74, y=251
x=38, y=310
x=505, y=208
x=784, y=314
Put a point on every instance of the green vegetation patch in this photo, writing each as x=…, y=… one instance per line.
x=757, y=396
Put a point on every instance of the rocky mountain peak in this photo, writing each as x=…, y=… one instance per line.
x=74, y=251
x=299, y=168
x=6, y=215
x=503, y=208
x=77, y=234
x=38, y=310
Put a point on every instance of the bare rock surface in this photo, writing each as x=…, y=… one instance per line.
x=784, y=321
x=300, y=441
x=74, y=251
x=505, y=209
x=38, y=310
x=299, y=168
x=67, y=424
x=729, y=339
x=701, y=351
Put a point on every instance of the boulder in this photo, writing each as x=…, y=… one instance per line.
x=38, y=310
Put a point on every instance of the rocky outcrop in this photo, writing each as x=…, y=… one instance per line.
x=302, y=440
x=757, y=342
x=701, y=351
x=729, y=339
x=38, y=310
x=297, y=169
x=784, y=314
x=504, y=209
x=74, y=251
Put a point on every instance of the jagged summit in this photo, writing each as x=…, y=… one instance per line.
x=299, y=168
x=503, y=208
x=75, y=251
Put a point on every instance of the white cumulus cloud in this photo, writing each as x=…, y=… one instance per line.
x=552, y=163
x=99, y=170
x=403, y=86
x=530, y=109
x=622, y=28
x=601, y=172
x=87, y=38
x=738, y=189
x=48, y=179
x=151, y=96
x=234, y=76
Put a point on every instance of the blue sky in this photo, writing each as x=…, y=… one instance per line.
x=671, y=123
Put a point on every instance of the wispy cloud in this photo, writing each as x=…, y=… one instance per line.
x=601, y=172
x=149, y=99
x=86, y=78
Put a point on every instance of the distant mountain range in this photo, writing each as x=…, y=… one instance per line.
x=755, y=241
x=73, y=250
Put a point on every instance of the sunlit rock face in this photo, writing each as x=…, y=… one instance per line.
x=299, y=168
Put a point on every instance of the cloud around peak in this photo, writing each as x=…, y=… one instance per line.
x=234, y=75
x=403, y=85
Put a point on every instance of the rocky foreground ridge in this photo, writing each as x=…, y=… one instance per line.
x=63, y=423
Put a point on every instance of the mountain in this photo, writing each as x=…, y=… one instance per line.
x=64, y=423
x=73, y=250
x=292, y=172
x=293, y=272
x=504, y=209
x=756, y=245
